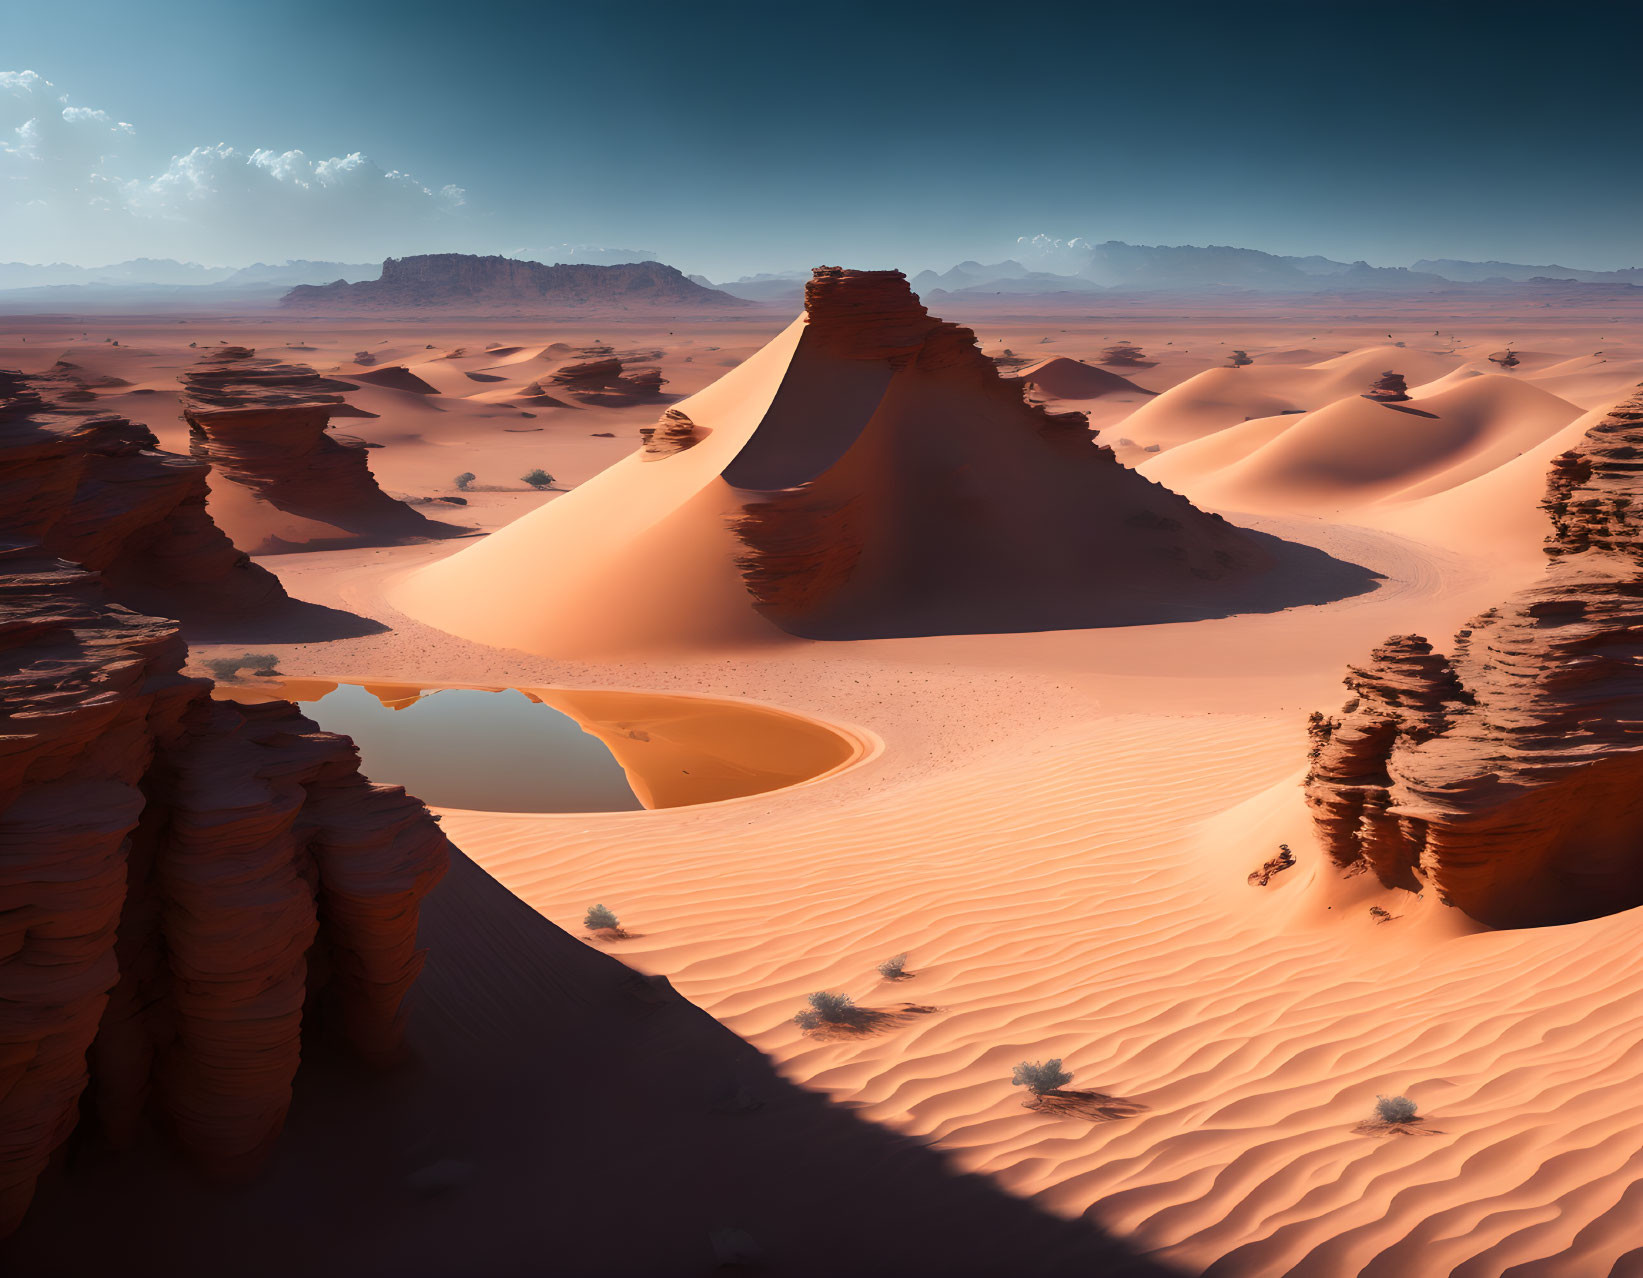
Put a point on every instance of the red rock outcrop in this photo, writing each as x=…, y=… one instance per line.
x=604, y=378
x=1510, y=778
x=97, y=490
x=262, y=425
x=673, y=433
x=899, y=484
x=180, y=879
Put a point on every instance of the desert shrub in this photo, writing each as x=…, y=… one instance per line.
x=464, y=481
x=262, y=663
x=1040, y=1077
x=537, y=478
x=827, y=1009
x=599, y=918
x=1124, y=354
x=1239, y=358
x=1395, y=1109
x=893, y=969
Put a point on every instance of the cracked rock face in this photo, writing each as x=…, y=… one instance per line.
x=1509, y=776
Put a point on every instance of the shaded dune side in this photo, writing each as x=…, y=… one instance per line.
x=936, y=499
x=460, y=1166
x=1510, y=776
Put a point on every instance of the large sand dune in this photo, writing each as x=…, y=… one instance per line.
x=867, y=473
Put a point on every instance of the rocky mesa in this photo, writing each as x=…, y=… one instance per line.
x=463, y=281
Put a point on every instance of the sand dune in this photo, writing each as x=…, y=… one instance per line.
x=867, y=473
x=1357, y=451
x=1219, y=398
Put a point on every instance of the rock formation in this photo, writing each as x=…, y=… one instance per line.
x=932, y=496
x=462, y=280
x=96, y=490
x=868, y=473
x=183, y=881
x=262, y=425
x=673, y=433
x=604, y=378
x=1509, y=776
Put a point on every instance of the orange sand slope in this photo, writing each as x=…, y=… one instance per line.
x=867, y=473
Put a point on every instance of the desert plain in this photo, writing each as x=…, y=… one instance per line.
x=1058, y=825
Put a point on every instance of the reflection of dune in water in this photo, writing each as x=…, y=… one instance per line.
x=565, y=750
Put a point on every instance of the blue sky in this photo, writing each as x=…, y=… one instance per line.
x=732, y=138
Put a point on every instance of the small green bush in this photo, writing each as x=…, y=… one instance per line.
x=538, y=478
x=599, y=918
x=1040, y=1077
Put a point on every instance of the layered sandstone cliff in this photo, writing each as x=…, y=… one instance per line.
x=283, y=481
x=97, y=490
x=1509, y=776
x=180, y=877
x=183, y=882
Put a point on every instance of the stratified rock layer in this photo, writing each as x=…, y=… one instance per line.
x=604, y=378
x=179, y=876
x=97, y=490
x=1510, y=777
x=262, y=426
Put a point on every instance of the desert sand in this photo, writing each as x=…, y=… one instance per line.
x=1056, y=826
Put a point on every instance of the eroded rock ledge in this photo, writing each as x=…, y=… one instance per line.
x=1509, y=777
x=97, y=490
x=262, y=426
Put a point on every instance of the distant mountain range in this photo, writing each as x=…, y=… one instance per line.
x=462, y=280
x=160, y=283
x=1081, y=267
x=1042, y=268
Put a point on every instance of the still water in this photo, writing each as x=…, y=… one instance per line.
x=472, y=748
x=563, y=749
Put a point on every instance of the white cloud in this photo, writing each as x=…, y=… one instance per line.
x=66, y=193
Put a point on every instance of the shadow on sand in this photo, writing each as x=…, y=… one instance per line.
x=1094, y=1107
x=562, y=1115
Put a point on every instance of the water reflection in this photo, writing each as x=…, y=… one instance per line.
x=564, y=749
x=471, y=748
